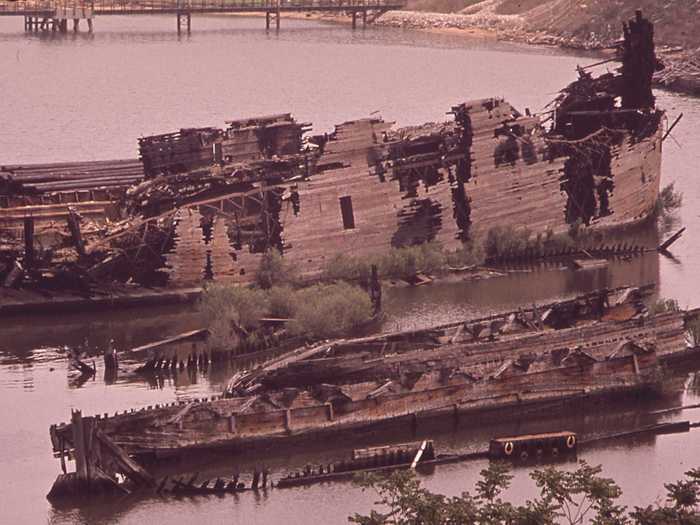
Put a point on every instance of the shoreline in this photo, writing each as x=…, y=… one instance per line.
x=681, y=73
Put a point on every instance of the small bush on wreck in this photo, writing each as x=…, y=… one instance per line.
x=669, y=200
x=667, y=207
x=506, y=240
x=281, y=302
x=330, y=310
x=343, y=267
x=231, y=313
x=274, y=270
x=664, y=305
x=405, y=262
x=471, y=254
x=402, y=263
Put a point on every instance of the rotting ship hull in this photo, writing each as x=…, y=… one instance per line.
x=235, y=193
x=555, y=353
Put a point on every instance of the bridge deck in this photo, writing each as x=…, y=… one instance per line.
x=109, y=7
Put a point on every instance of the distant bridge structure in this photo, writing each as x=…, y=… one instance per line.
x=54, y=15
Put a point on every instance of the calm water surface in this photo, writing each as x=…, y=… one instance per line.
x=90, y=96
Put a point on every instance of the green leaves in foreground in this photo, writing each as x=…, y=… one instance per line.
x=582, y=496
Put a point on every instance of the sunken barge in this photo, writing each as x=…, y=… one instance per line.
x=207, y=203
x=601, y=344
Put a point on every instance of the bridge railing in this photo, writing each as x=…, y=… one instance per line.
x=20, y=6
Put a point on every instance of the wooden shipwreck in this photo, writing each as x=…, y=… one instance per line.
x=601, y=344
x=213, y=200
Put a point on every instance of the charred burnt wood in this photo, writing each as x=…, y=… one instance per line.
x=639, y=63
x=28, y=242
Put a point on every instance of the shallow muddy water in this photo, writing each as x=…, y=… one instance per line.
x=90, y=96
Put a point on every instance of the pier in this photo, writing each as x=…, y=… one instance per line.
x=54, y=15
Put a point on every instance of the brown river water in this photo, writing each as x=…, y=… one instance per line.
x=81, y=97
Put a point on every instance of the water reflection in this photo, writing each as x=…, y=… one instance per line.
x=135, y=78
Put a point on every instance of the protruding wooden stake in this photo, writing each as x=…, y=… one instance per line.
x=28, y=242
x=81, y=463
x=74, y=228
x=673, y=238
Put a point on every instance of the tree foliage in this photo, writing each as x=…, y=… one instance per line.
x=582, y=496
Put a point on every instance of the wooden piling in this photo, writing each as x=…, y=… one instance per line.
x=110, y=357
x=81, y=461
x=14, y=275
x=28, y=242
x=74, y=228
x=277, y=18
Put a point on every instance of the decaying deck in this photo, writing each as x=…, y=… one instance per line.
x=601, y=344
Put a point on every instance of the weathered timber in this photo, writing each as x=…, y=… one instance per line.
x=74, y=227
x=346, y=384
x=216, y=199
x=673, y=238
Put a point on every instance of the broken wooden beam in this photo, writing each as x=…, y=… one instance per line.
x=670, y=129
x=130, y=468
x=73, y=220
x=673, y=238
x=28, y=242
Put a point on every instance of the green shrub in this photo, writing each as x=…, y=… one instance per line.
x=330, y=310
x=667, y=207
x=669, y=200
x=274, y=270
x=281, y=302
x=344, y=267
x=401, y=263
x=664, y=305
x=470, y=254
x=505, y=240
x=230, y=312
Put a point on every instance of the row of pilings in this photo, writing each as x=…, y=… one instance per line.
x=45, y=24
